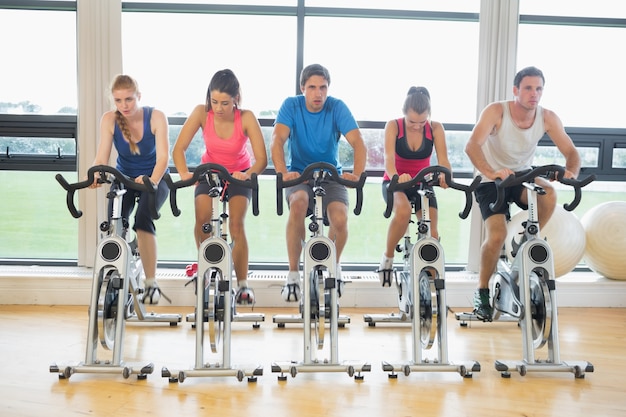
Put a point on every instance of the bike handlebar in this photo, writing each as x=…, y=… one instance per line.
x=307, y=174
x=223, y=174
x=118, y=176
x=551, y=172
x=420, y=178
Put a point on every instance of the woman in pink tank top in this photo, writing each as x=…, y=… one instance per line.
x=227, y=130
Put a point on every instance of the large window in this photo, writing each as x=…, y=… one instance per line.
x=374, y=55
x=38, y=71
x=582, y=71
x=373, y=62
x=256, y=48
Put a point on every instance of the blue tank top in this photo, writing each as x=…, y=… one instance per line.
x=133, y=165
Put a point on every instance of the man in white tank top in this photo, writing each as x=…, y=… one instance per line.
x=504, y=141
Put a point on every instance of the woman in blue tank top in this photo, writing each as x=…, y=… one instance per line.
x=141, y=139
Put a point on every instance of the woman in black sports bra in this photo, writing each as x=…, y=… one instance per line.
x=409, y=142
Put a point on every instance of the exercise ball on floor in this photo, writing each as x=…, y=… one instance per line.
x=564, y=233
x=605, y=230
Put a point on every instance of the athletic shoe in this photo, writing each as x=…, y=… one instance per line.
x=385, y=271
x=291, y=290
x=482, y=307
x=151, y=295
x=244, y=296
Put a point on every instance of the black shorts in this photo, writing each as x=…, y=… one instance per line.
x=143, y=219
x=413, y=196
x=486, y=193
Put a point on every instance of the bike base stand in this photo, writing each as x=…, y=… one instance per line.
x=578, y=368
x=372, y=319
x=465, y=369
x=214, y=370
x=352, y=368
x=172, y=319
x=106, y=367
x=282, y=319
x=254, y=318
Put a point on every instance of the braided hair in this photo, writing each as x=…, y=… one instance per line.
x=125, y=82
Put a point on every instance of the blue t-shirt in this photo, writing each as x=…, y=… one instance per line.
x=314, y=137
x=130, y=164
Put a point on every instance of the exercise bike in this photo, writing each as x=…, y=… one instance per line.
x=421, y=283
x=214, y=294
x=525, y=289
x=319, y=302
x=115, y=292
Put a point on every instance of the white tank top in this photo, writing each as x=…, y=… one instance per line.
x=511, y=147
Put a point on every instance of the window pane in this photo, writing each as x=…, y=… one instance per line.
x=174, y=68
x=374, y=142
x=578, y=8
x=456, y=142
x=546, y=155
x=38, y=71
x=411, y=53
x=35, y=220
x=589, y=157
x=580, y=71
x=619, y=158
x=471, y=6
x=38, y=146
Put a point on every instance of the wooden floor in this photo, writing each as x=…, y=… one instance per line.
x=33, y=337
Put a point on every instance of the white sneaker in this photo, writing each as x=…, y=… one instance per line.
x=151, y=295
x=385, y=271
x=291, y=290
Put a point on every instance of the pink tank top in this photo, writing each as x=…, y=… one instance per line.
x=231, y=153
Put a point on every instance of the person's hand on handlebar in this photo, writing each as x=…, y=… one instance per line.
x=184, y=176
x=96, y=180
x=404, y=178
x=139, y=180
x=349, y=176
x=503, y=174
x=442, y=180
x=241, y=176
x=568, y=174
x=290, y=175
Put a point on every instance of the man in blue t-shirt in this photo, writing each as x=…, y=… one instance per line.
x=312, y=124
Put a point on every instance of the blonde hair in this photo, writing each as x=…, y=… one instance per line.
x=125, y=82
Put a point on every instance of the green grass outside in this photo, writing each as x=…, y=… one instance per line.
x=35, y=222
